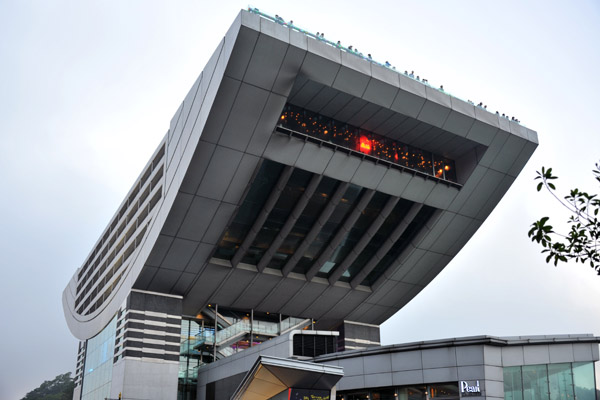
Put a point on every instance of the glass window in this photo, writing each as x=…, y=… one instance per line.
x=383, y=394
x=584, y=381
x=350, y=137
x=329, y=229
x=513, y=385
x=261, y=188
x=444, y=391
x=378, y=239
x=305, y=222
x=97, y=373
x=357, y=231
x=560, y=380
x=535, y=382
x=278, y=216
x=415, y=226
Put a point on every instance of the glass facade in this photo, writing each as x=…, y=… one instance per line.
x=562, y=381
x=261, y=187
x=445, y=391
x=353, y=138
x=97, y=374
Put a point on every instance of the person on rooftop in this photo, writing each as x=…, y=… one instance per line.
x=387, y=64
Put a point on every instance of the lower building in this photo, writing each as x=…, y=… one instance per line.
x=482, y=367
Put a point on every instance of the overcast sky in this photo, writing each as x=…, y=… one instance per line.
x=88, y=90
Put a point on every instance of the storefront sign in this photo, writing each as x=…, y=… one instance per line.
x=468, y=389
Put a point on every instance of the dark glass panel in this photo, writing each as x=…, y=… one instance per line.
x=383, y=394
x=413, y=228
x=584, y=381
x=355, y=234
x=261, y=188
x=327, y=129
x=513, y=384
x=378, y=239
x=305, y=222
x=278, y=215
x=535, y=382
x=329, y=229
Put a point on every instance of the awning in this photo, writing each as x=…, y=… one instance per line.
x=270, y=376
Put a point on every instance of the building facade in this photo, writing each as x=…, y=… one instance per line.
x=302, y=194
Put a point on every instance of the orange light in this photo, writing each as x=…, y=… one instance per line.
x=283, y=117
x=325, y=131
x=447, y=168
x=365, y=144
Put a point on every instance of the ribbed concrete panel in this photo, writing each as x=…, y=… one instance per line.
x=145, y=277
x=281, y=294
x=218, y=223
x=219, y=173
x=244, y=116
x=226, y=95
x=441, y=196
x=418, y=189
x=321, y=99
x=199, y=258
x=199, y=162
x=235, y=283
x=289, y=69
x=350, y=109
x=479, y=198
x=350, y=81
x=243, y=174
x=257, y=292
x=336, y=104
x=278, y=32
x=317, y=68
x=391, y=124
x=342, y=167
x=314, y=158
x=306, y=93
x=511, y=151
x=380, y=93
x=522, y=159
x=376, y=120
x=164, y=280
x=368, y=111
x=197, y=218
x=198, y=293
x=346, y=305
x=302, y=299
x=242, y=52
x=283, y=149
x=179, y=254
x=494, y=148
x=368, y=175
x=177, y=213
x=482, y=133
x=180, y=288
x=266, y=123
x=326, y=300
x=453, y=231
x=159, y=251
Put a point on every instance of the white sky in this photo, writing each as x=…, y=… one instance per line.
x=88, y=89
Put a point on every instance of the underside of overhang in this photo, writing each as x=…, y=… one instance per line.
x=270, y=376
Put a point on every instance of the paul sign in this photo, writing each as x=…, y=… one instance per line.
x=467, y=389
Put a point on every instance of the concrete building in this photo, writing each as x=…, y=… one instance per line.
x=302, y=195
